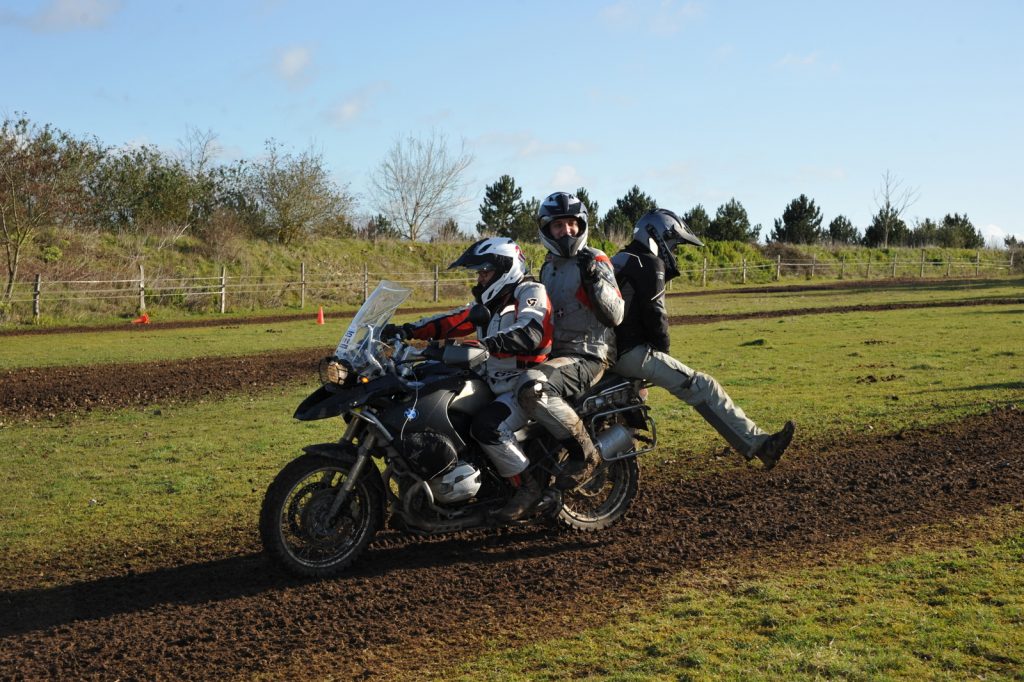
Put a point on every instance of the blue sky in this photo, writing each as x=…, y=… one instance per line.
x=695, y=102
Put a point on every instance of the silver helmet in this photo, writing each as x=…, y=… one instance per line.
x=562, y=205
x=661, y=231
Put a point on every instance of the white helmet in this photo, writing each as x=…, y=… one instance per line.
x=499, y=254
x=562, y=205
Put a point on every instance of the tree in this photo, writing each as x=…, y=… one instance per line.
x=447, y=230
x=892, y=200
x=958, y=232
x=698, y=221
x=800, y=223
x=842, y=231
x=378, y=227
x=887, y=228
x=925, y=233
x=41, y=171
x=502, y=212
x=732, y=224
x=297, y=193
x=592, y=207
x=621, y=218
x=420, y=181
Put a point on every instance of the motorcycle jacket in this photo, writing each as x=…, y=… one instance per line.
x=517, y=336
x=586, y=309
x=641, y=278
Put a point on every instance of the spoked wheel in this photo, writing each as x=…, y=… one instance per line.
x=296, y=524
x=603, y=499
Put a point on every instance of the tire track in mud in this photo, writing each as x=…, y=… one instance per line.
x=409, y=607
x=48, y=391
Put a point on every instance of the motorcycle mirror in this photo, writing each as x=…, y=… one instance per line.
x=479, y=315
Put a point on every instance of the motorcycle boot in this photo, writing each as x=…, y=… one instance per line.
x=528, y=493
x=583, y=459
x=771, y=450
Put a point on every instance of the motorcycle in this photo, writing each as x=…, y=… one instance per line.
x=409, y=409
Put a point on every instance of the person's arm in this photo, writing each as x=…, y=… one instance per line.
x=451, y=324
x=530, y=333
x=598, y=278
x=650, y=285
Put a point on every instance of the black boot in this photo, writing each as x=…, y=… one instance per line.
x=528, y=493
x=771, y=450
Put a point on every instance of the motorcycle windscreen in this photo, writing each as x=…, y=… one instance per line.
x=375, y=312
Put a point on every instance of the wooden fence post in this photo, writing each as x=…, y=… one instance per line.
x=949, y=264
x=223, y=289
x=142, y=289
x=366, y=282
x=744, y=269
x=922, y=263
x=868, y=273
x=814, y=262
x=35, y=296
x=977, y=263
x=302, y=284
x=704, y=273
x=778, y=267
x=437, y=283
x=894, y=266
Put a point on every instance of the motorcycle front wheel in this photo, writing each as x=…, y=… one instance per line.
x=296, y=526
x=602, y=500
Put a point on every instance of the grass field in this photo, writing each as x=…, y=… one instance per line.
x=948, y=607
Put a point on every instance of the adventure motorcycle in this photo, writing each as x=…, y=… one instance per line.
x=410, y=409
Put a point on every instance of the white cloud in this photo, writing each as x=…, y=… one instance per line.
x=355, y=105
x=670, y=17
x=566, y=179
x=797, y=61
x=293, y=64
x=64, y=15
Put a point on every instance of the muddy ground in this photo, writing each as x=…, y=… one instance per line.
x=409, y=606
x=217, y=608
x=48, y=391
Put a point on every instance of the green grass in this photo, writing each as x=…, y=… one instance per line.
x=950, y=615
x=205, y=465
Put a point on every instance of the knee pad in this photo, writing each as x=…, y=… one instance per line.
x=532, y=395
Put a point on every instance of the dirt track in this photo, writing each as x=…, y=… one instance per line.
x=413, y=605
x=45, y=391
x=217, y=608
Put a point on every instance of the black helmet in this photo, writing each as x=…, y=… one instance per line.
x=661, y=231
x=500, y=254
x=562, y=205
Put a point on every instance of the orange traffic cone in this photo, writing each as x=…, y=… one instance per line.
x=141, y=319
x=320, y=316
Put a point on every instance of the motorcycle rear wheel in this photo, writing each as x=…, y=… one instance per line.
x=602, y=500
x=294, y=524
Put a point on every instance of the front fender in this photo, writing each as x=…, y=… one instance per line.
x=347, y=454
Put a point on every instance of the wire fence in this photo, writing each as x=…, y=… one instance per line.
x=248, y=292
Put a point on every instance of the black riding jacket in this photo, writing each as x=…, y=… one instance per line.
x=641, y=278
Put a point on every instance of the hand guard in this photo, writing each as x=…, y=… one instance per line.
x=402, y=331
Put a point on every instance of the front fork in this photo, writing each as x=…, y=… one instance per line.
x=362, y=457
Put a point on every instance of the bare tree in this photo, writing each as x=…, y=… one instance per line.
x=198, y=150
x=892, y=199
x=420, y=182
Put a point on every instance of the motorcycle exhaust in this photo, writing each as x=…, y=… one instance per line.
x=614, y=442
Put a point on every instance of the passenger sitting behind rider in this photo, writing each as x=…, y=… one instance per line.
x=512, y=319
x=587, y=306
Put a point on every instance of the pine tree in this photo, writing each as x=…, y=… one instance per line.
x=800, y=223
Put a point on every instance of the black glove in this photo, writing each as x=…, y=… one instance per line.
x=402, y=331
x=588, y=266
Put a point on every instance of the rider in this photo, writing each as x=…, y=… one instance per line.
x=512, y=319
x=642, y=268
x=587, y=305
